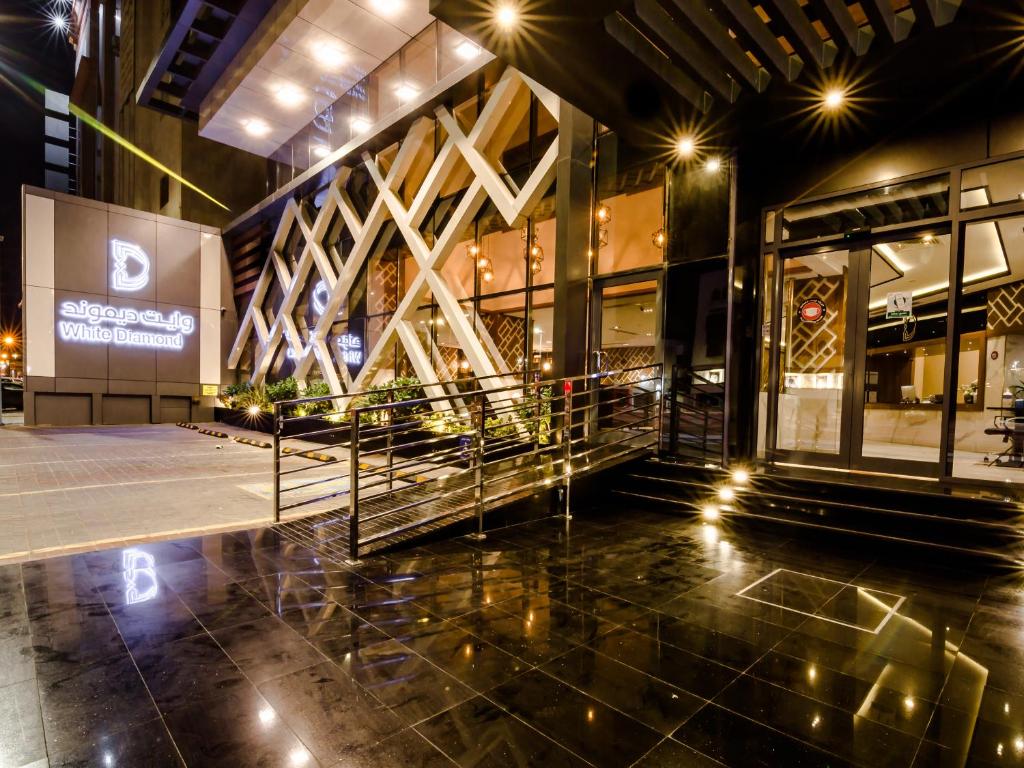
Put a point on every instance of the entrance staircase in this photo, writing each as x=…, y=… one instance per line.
x=947, y=521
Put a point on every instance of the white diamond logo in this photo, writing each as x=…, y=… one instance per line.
x=121, y=278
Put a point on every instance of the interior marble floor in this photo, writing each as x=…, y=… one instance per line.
x=633, y=638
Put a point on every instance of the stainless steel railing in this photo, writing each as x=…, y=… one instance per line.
x=415, y=463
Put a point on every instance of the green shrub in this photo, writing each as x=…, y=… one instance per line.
x=316, y=388
x=285, y=389
x=395, y=391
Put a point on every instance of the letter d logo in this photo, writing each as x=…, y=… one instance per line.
x=120, y=278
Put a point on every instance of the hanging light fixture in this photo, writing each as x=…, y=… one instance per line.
x=603, y=214
x=658, y=238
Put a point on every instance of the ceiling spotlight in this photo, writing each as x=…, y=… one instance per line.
x=406, y=92
x=467, y=51
x=255, y=127
x=321, y=150
x=834, y=98
x=329, y=55
x=359, y=125
x=507, y=16
x=685, y=147
x=289, y=95
x=387, y=7
x=713, y=165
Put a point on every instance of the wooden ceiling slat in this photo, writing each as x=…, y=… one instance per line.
x=882, y=17
x=684, y=46
x=801, y=33
x=737, y=59
x=761, y=38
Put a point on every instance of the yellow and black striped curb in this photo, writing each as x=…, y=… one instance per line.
x=314, y=455
x=185, y=425
x=212, y=433
x=254, y=443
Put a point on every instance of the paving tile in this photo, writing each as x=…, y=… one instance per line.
x=478, y=733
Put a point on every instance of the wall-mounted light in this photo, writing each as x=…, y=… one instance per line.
x=658, y=238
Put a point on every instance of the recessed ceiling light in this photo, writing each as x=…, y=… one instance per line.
x=507, y=16
x=59, y=22
x=467, y=50
x=685, y=147
x=713, y=165
x=387, y=7
x=288, y=95
x=329, y=55
x=834, y=98
x=255, y=127
x=359, y=124
x=321, y=150
x=406, y=92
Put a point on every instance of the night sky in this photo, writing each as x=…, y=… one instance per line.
x=28, y=44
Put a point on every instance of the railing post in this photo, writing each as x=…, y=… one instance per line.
x=353, y=488
x=277, y=462
x=661, y=409
x=673, y=416
x=478, y=463
x=567, y=444
x=390, y=437
x=536, y=415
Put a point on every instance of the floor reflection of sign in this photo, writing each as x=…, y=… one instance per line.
x=351, y=347
x=899, y=304
x=812, y=311
x=139, y=571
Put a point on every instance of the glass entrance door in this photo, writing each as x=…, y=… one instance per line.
x=861, y=356
x=626, y=323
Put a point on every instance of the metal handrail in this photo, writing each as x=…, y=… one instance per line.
x=554, y=421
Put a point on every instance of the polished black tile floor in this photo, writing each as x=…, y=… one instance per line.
x=635, y=639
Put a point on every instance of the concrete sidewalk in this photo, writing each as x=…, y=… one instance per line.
x=74, y=488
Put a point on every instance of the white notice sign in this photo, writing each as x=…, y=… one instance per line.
x=899, y=304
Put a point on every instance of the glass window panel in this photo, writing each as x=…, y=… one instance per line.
x=883, y=206
x=989, y=184
x=904, y=384
x=813, y=324
x=629, y=322
x=767, y=300
x=989, y=438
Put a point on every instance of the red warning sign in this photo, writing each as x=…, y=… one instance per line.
x=812, y=311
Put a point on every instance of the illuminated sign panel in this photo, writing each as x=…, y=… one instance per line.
x=92, y=323
x=122, y=278
x=351, y=347
x=89, y=322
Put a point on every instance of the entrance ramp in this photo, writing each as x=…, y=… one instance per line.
x=414, y=465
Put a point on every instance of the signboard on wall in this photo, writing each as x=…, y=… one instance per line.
x=812, y=311
x=899, y=304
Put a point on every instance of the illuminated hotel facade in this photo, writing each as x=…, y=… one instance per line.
x=782, y=204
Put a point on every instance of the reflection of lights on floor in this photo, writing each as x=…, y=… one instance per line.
x=710, y=533
x=267, y=715
x=726, y=493
x=298, y=757
x=740, y=476
x=710, y=512
x=908, y=704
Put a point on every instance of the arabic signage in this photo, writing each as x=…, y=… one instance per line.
x=92, y=323
x=351, y=347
